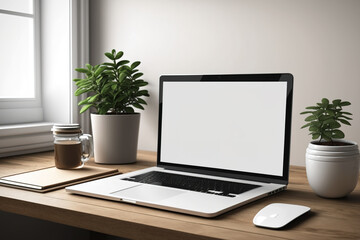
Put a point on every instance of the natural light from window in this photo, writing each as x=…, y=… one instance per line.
x=37, y=58
x=17, y=48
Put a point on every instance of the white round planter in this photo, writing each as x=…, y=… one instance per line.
x=332, y=171
x=115, y=138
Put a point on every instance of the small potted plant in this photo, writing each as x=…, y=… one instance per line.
x=332, y=164
x=114, y=90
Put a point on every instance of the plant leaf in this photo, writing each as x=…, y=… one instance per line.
x=119, y=55
x=83, y=82
x=140, y=83
x=135, y=64
x=99, y=71
x=344, y=122
x=334, y=124
x=122, y=76
x=329, y=121
x=317, y=124
x=319, y=112
x=330, y=112
x=326, y=138
x=84, y=108
x=336, y=102
x=143, y=93
x=113, y=87
x=346, y=103
x=137, y=75
x=88, y=66
x=103, y=107
x=346, y=113
x=345, y=117
x=307, y=112
x=111, y=65
x=327, y=134
x=141, y=101
x=85, y=101
x=325, y=117
x=315, y=136
x=313, y=129
x=138, y=106
x=109, y=55
x=325, y=102
x=80, y=91
x=122, y=63
x=338, y=134
x=106, y=87
x=93, y=98
x=129, y=110
x=313, y=107
x=306, y=125
x=82, y=70
x=310, y=118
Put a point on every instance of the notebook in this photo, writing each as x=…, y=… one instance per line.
x=48, y=179
x=223, y=141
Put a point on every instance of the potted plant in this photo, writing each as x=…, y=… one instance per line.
x=332, y=164
x=114, y=90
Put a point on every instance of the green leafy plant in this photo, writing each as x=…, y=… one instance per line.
x=113, y=87
x=326, y=118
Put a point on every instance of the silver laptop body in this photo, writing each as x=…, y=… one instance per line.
x=223, y=141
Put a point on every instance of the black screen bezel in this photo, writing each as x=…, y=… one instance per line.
x=271, y=77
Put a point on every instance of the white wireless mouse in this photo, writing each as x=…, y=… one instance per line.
x=277, y=215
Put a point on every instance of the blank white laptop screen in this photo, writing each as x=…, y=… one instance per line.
x=225, y=125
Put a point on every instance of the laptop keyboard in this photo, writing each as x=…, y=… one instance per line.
x=204, y=185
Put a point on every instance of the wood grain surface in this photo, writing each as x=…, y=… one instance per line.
x=328, y=219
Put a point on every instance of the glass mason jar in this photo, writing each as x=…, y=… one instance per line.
x=72, y=148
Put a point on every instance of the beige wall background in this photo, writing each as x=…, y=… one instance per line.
x=318, y=41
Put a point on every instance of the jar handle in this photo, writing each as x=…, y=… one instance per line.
x=87, y=147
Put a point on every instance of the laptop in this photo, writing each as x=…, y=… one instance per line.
x=223, y=141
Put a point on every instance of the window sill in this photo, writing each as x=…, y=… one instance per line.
x=25, y=138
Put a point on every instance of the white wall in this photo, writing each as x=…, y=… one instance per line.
x=317, y=41
x=55, y=20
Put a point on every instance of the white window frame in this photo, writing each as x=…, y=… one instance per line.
x=24, y=110
x=22, y=138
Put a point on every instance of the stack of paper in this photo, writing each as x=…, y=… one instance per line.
x=48, y=179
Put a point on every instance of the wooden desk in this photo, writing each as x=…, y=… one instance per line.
x=328, y=218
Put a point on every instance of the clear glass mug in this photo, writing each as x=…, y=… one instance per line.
x=72, y=148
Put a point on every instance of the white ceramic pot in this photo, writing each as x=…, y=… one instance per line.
x=332, y=171
x=115, y=138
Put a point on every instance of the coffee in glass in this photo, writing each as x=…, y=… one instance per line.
x=72, y=148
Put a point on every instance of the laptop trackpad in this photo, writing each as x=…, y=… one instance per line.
x=147, y=193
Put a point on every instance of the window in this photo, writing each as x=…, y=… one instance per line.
x=26, y=116
x=20, y=99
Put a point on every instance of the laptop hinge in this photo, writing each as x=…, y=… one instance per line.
x=263, y=179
